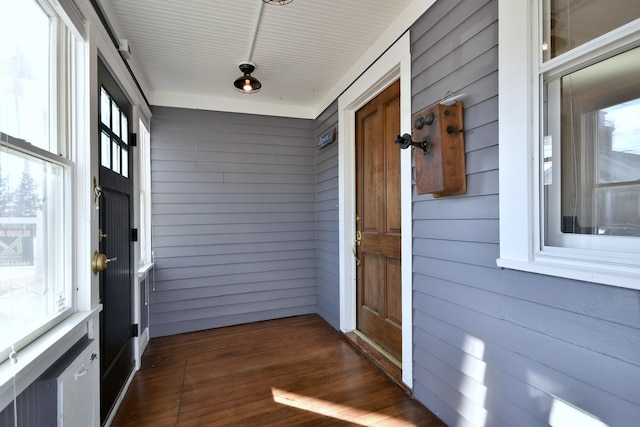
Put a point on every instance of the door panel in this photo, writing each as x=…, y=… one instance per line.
x=392, y=167
x=378, y=278
x=393, y=298
x=117, y=356
x=372, y=271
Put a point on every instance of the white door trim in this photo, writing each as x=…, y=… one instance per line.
x=393, y=64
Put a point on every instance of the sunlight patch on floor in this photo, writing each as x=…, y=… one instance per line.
x=334, y=410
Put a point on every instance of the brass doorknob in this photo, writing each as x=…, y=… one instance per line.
x=100, y=262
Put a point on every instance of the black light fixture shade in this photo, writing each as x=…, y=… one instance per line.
x=247, y=83
x=277, y=2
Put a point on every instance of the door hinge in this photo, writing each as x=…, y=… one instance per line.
x=133, y=139
x=134, y=330
x=134, y=234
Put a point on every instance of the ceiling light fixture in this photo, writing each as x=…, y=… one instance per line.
x=277, y=2
x=247, y=83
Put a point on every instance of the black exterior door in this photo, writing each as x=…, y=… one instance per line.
x=116, y=290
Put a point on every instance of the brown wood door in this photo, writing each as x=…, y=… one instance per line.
x=379, y=311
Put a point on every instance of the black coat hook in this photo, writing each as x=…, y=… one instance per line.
x=405, y=141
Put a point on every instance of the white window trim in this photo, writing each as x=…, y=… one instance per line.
x=394, y=64
x=143, y=177
x=66, y=244
x=70, y=121
x=518, y=115
x=33, y=360
x=92, y=41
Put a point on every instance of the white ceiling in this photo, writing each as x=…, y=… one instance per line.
x=186, y=52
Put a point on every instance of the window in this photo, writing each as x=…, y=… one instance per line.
x=144, y=143
x=592, y=198
x=36, y=289
x=570, y=102
x=568, y=24
x=114, y=150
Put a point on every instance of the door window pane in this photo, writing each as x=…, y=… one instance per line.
x=105, y=107
x=571, y=23
x=125, y=129
x=125, y=162
x=115, y=116
x=116, y=157
x=105, y=150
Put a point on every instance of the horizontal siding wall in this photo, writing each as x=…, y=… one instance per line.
x=326, y=192
x=233, y=219
x=497, y=347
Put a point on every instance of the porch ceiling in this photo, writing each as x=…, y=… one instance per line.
x=186, y=52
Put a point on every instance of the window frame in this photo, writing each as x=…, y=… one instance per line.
x=66, y=242
x=613, y=248
x=144, y=190
x=520, y=112
x=89, y=41
x=118, y=143
x=58, y=150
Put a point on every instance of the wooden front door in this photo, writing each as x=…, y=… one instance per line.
x=116, y=182
x=378, y=236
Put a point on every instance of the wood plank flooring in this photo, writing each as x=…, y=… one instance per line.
x=296, y=371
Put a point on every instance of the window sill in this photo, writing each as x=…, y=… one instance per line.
x=142, y=271
x=623, y=277
x=37, y=357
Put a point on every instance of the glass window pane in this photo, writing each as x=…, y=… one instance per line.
x=125, y=129
x=115, y=114
x=25, y=88
x=619, y=144
x=571, y=23
x=105, y=150
x=105, y=107
x=33, y=289
x=600, y=148
x=116, y=157
x=145, y=196
x=125, y=163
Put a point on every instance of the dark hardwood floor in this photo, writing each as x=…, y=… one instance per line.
x=296, y=371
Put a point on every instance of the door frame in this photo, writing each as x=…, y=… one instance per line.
x=101, y=48
x=394, y=64
x=107, y=78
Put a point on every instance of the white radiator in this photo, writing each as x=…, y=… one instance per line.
x=72, y=386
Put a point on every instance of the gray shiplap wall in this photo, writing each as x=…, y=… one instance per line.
x=491, y=347
x=327, y=266
x=233, y=219
x=495, y=347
